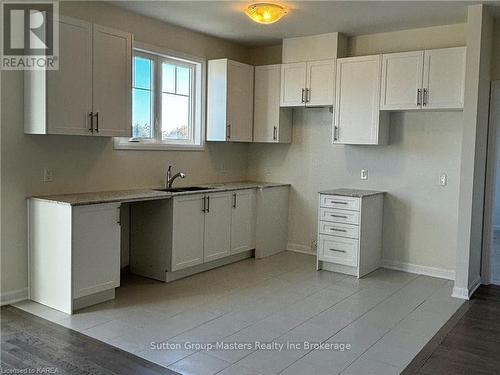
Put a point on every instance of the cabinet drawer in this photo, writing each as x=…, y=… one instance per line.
x=338, y=201
x=339, y=216
x=338, y=250
x=339, y=229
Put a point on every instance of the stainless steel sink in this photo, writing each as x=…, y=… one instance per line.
x=182, y=189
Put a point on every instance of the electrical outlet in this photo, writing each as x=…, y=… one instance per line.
x=48, y=175
x=364, y=174
x=443, y=180
x=314, y=245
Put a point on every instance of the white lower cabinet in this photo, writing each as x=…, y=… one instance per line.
x=191, y=233
x=74, y=253
x=243, y=221
x=350, y=232
x=188, y=230
x=217, y=226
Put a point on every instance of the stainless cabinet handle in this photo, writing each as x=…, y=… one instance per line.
x=234, y=200
x=228, y=131
x=204, y=204
x=337, y=202
x=419, y=97
x=342, y=217
x=208, y=204
x=91, y=129
x=308, y=95
x=335, y=133
x=338, y=230
x=97, y=122
x=303, y=91
x=338, y=251
x=426, y=94
x=275, y=133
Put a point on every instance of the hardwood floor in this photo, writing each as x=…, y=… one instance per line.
x=29, y=342
x=469, y=343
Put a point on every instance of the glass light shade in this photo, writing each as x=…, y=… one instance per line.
x=265, y=13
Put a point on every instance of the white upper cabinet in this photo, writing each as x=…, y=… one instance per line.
x=320, y=83
x=90, y=94
x=309, y=84
x=272, y=124
x=444, y=78
x=230, y=101
x=430, y=79
x=112, y=74
x=402, y=80
x=358, y=119
x=293, y=84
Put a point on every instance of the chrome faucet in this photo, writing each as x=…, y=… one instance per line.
x=170, y=179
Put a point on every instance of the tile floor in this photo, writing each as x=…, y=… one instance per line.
x=385, y=318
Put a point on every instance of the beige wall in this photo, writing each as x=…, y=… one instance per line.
x=420, y=218
x=91, y=164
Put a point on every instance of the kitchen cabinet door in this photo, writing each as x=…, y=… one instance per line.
x=239, y=102
x=293, y=84
x=272, y=124
x=188, y=229
x=96, y=248
x=320, y=83
x=243, y=221
x=402, y=80
x=444, y=78
x=112, y=80
x=357, y=114
x=217, y=226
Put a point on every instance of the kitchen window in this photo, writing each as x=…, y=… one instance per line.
x=167, y=102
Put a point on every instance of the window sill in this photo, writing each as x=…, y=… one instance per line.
x=125, y=144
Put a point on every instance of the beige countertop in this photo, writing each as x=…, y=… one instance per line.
x=134, y=195
x=356, y=193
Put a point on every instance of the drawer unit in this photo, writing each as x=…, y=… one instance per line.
x=338, y=250
x=337, y=201
x=339, y=216
x=339, y=229
x=350, y=231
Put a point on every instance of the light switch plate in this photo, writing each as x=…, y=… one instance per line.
x=364, y=174
x=443, y=180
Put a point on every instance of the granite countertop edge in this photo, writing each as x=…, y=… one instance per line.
x=355, y=193
x=136, y=195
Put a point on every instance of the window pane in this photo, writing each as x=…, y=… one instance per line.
x=175, y=117
x=142, y=72
x=183, y=80
x=168, y=78
x=142, y=126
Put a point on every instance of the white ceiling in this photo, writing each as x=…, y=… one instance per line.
x=226, y=19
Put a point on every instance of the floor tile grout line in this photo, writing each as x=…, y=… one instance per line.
x=389, y=330
x=254, y=323
x=389, y=296
x=355, y=292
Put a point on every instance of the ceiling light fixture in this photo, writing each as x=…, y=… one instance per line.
x=265, y=13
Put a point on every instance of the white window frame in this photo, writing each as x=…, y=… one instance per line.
x=197, y=141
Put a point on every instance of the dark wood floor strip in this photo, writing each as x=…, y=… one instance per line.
x=469, y=343
x=30, y=342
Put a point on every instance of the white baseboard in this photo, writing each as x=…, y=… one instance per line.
x=474, y=285
x=461, y=293
x=297, y=248
x=418, y=269
x=466, y=293
x=13, y=297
